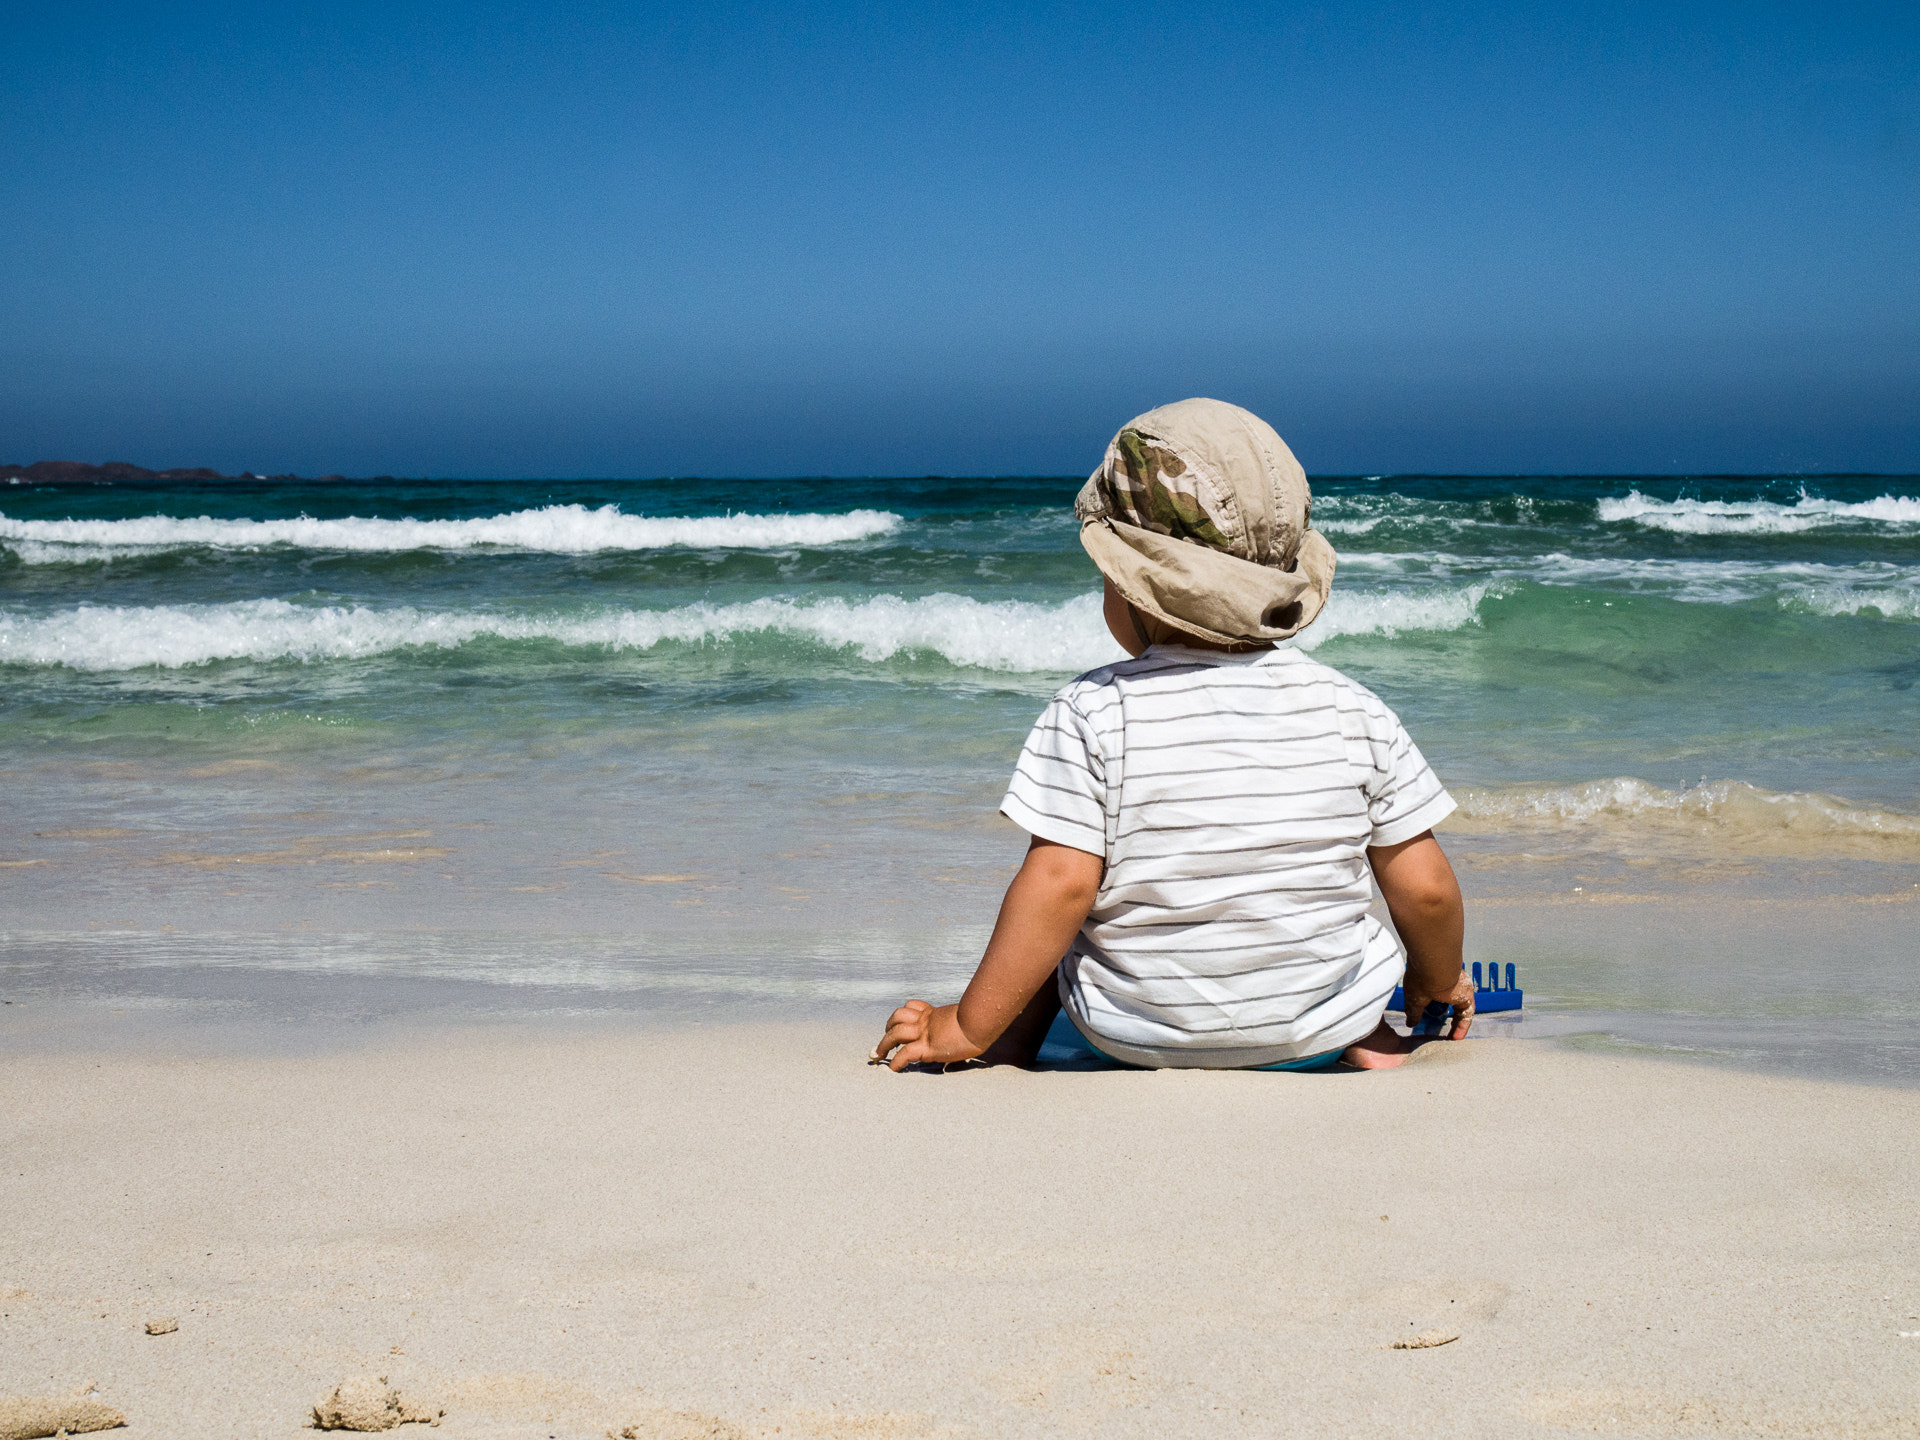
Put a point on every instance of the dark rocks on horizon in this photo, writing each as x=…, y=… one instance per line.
x=78, y=472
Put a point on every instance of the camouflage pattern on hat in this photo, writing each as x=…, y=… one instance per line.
x=1151, y=486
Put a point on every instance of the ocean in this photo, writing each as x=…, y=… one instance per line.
x=677, y=747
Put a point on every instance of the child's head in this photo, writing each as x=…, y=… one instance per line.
x=1199, y=517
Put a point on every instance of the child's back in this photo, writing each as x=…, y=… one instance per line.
x=1234, y=798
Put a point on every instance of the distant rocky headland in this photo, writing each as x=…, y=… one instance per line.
x=78, y=472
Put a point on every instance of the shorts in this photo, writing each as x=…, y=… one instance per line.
x=1067, y=1047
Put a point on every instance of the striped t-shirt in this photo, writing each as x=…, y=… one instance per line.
x=1233, y=798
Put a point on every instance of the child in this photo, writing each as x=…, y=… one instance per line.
x=1209, y=818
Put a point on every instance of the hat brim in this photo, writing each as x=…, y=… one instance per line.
x=1217, y=596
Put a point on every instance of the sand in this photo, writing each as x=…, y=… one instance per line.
x=733, y=1231
x=29, y=1417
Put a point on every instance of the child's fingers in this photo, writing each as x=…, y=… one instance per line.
x=907, y=1055
x=1462, y=1001
x=1417, y=1010
x=906, y=1025
x=1462, y=1019
x=895, y=1037
x=912, y=1014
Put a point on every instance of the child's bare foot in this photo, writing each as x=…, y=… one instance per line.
x=1382, y=1050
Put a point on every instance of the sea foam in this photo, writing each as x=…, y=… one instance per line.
x=1860, y=588
x=1727, y=816
x=1388, y=612
x=1015, y=636
x=1004, y=635
x=553, y=529
x=1760, y=517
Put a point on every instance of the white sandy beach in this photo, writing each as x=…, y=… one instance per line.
x=558, y=1231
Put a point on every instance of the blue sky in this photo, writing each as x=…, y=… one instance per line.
x=830, y=239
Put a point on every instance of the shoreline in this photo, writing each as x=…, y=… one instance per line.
x=1749, y=968
x=592, y=1227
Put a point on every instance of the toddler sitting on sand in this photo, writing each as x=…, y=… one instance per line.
x=1209, y=818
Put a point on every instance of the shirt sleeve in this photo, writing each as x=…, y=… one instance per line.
x=1404, y=797
x=1059, y=787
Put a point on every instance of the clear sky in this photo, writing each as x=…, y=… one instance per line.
x=739, y=239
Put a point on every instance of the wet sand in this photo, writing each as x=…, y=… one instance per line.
x=739, y=1229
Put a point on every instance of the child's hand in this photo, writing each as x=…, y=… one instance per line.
x=919, y=1034
x=1460, y=997
x=1045, y=906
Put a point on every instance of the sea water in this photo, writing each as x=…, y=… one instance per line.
x=702, y=743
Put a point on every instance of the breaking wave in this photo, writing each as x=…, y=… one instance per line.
x=1760, y=517
x=1866, y=587
x=1728, y=815
x=1006, y=635
x=1389, y=612
x=553, y=529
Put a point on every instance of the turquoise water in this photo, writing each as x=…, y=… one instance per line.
x=1541, y=630
x=690, y=714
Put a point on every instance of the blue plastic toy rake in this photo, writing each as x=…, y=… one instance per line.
x=1488, y=998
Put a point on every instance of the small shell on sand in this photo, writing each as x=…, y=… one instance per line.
x=164, y=1326
x=1427, y=1339
x=367, y=1402
x=27, y=1417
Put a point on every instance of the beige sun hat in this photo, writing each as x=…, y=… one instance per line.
x=1200, y=516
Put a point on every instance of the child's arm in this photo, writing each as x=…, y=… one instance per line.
x=1045, y=907
x=1424, y=899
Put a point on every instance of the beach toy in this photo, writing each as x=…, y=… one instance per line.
x=1489, y=998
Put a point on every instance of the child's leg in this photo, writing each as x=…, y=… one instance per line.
x=1019, y=1044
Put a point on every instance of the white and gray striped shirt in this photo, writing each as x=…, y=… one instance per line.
x=1233, y=798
